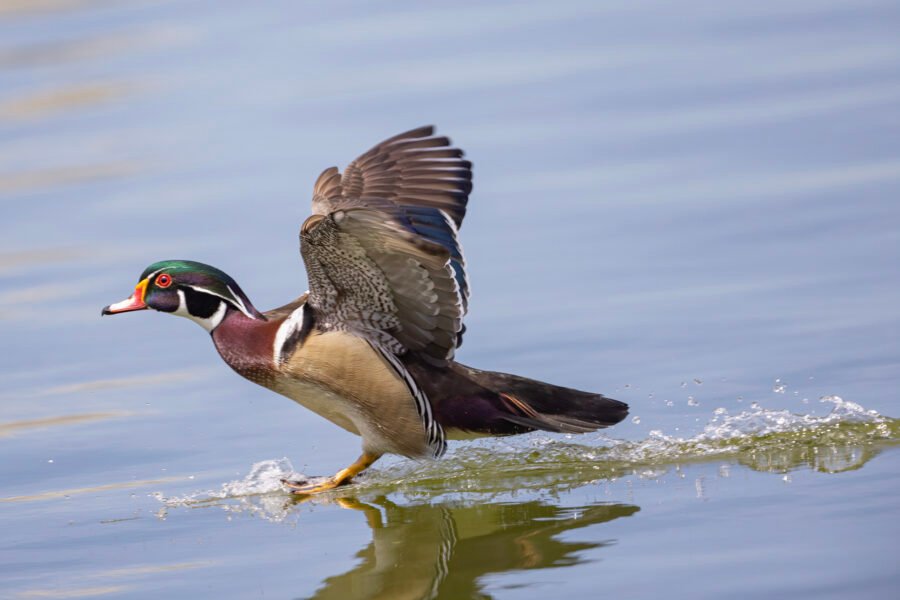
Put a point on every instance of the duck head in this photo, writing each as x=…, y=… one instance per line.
x=202, y=293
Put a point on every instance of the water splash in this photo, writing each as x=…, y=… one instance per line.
x=762, y=439
x=756, y=432
x=260, y=492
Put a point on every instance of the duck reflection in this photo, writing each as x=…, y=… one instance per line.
x=446, y=550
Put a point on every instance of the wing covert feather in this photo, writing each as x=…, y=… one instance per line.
x=373, y=274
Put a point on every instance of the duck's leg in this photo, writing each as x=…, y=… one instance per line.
x=342, y=477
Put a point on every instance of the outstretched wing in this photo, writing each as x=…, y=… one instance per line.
x=374, y=273
x=413, y=168
x=383, y=257
x=415, y=187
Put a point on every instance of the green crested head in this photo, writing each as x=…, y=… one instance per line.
x=189, y=289
x=187, y=267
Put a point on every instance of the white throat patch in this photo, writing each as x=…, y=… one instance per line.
x=209, y=323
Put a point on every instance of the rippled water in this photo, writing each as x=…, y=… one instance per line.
x=693, y=211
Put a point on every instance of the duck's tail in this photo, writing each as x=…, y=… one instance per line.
x=472, y=401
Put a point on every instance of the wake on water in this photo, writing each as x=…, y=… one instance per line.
x=759, y=438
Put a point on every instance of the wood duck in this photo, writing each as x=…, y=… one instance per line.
x=370, y=346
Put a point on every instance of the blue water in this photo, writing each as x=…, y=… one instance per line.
x=687, y=209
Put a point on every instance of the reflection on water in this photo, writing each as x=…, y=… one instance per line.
x=761, y=439
x=48, y=102
x=439, y=529
x=445, y=550
x=83, y=586
x=825, y=457
x=11, y=427
x=660, y=194
x=67, y=493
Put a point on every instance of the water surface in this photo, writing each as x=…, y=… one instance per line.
x=693, y=211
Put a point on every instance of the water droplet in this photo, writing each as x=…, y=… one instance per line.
x=636, y=420
x=720, y=411
x=786, y=479
x=805, y=401
x=693, y=401
x=50, y=460
x=754, y=405
x=740, y=398
x=684, y=384
x=779, y=386
x=669, y=403
x=627, y=385
x=698, y=381
x=650, y=395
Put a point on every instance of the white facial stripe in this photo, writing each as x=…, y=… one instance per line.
x=291, y=325
x=240, y=305
x=153, y=274
x=239, y=301
x=209, y=323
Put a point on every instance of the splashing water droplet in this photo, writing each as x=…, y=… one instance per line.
x=693, y=401
x=779, y=386
x=669, y=403
x=754, y=405
x=636, y=420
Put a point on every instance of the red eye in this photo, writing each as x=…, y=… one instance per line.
x=164, y=281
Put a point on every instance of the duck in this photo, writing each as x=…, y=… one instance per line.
x=371, y=345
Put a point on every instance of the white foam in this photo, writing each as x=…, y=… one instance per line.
x=724, y=432
x=759, y=438
x=260, y=492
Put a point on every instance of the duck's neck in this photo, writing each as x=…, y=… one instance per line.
x=246, y=344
